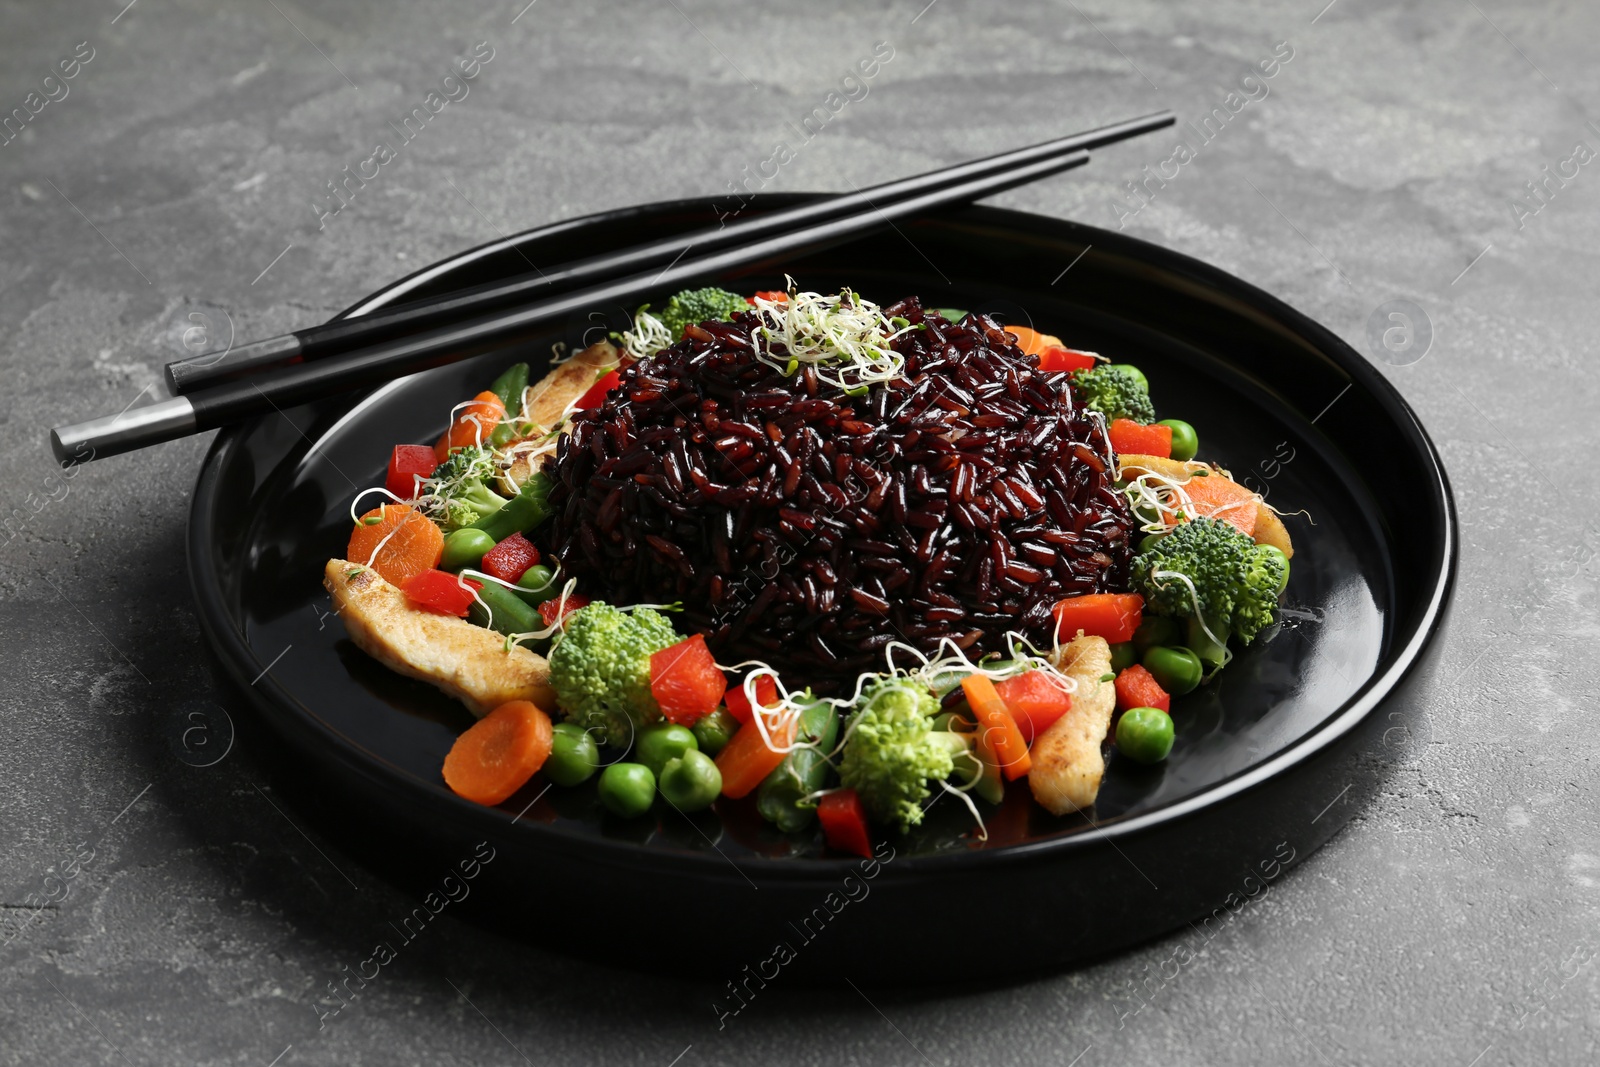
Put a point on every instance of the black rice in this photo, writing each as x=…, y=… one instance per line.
x=809, y=528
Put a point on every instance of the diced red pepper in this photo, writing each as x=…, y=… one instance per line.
x=1113, y=616
x=510, y=558
x=406, y=464
x=548, y=611
x=685, y=681
x=1034, y=701
x=774, y=295
x=738, y=704
x=1068, y=359
x=597, y=392
x=844, y=822
x=1138, y=688
x=444, y=594
x=1136, y=439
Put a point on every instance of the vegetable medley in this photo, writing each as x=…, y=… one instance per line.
x=444, y=581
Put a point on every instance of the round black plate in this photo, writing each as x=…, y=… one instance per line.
x=1279, y=400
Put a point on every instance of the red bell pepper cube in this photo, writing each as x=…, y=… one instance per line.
x=774, y=295
x=406, y=464
x=738, y=704
x=509, y=559
x=844, y=822
x=1113, y=616
x=597, y=392
x=551, y=610
x=685, y=681
x=1067, y=359
x=441, y=593
x=1035, y=701
x=1138, y=688
x=1136, y=439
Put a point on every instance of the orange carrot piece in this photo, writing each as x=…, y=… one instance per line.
x=1031, y=342
x=415, y=547
x=746, y=760
x=474, y=423
x=1221, y=498
x=999, y=728
x=499, y=753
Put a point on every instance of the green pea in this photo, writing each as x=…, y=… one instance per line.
x=691, y=781
x=1275, y=550
x=1123, y=656
x=714, y=731
x=1155, y=630
x=574, y=757
x=659, y=744
x=1185, y=442
x=465, y=548
x=1144, y=734
x=538, y=581
x=1135, y=373
x=1175, y=668
x=626, y=789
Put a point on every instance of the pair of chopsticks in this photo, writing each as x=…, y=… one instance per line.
x=218, y=389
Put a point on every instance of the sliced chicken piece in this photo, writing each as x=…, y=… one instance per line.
x=464, y=661
x=545, y=405
x=1067, y=765
x=546, y=400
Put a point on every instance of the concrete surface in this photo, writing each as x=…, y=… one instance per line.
x=157, y=911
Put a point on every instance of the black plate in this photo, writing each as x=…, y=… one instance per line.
x=1278, y=399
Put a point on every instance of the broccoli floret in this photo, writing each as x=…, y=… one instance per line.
x=693, y=306
x=600, y=668
x=1236, y=581
x=461, y=485
x=1114, y=393
x=892, y=750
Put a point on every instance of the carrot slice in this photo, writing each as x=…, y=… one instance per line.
x=499, y=753
x=1032, y=342
x=415, y=546
x=474, y=423
x=1113, y=616
x=999, y=728
x=1222, y=498
x=746, y=760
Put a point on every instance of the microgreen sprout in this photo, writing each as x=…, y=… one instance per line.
x=846, y=338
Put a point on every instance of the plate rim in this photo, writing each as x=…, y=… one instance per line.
x=238, y=657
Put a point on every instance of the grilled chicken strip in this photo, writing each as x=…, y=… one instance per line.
x=464, y=661
x=1067, y=765
x=545, y=406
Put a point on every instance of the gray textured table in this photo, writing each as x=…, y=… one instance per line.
x=156, y=911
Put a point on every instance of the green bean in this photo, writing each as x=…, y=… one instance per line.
x=507, y=612
x=522, y=512
x=783, y=799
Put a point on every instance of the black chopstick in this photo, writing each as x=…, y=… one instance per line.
x=275, y=390
x=317, y=342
